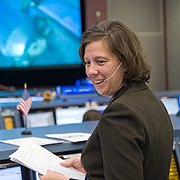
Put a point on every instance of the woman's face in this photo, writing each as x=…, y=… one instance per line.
x=100, y=64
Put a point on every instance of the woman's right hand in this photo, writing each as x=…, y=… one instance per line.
x=74, y=162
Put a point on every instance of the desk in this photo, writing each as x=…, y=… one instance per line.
x=58, y=149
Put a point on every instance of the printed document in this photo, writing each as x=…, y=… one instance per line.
x=38, y=140
x=37, y=158
x=73, y=137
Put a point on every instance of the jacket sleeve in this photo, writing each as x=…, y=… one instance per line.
x=122, y=140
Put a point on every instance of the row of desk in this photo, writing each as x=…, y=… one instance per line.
x=59, y=149
x=62, y=148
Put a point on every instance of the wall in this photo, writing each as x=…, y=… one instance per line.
x=95, y=11
x=173, y=38
x=156, y=23
x=146, y=18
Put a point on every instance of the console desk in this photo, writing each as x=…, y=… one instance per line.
x=58, y=149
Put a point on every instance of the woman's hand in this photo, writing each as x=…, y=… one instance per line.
x=74, y=162
x=51, y=175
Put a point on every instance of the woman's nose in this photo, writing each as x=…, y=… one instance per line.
x=92, y=69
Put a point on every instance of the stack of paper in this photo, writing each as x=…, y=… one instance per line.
x=39, y=159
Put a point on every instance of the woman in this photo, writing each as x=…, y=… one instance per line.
x=133, y=139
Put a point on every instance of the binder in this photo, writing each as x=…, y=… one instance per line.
x=8, y=122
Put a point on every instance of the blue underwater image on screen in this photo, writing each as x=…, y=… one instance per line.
x=39, y=33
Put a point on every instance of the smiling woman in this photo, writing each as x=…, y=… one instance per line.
x=135, y=130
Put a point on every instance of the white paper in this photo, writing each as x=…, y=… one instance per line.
x=39, y=159
x=40, y=141
x=73, y=137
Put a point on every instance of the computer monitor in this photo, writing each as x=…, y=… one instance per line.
x=36, y=176
x=39, y=119
x=171, y=105
x=69, y=115
x=174, y=172
x=34, y=42
x=73, y=114
x=13, y=172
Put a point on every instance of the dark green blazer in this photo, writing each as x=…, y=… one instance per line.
x=133, y=140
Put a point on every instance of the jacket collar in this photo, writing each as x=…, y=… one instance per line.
x=126, y=89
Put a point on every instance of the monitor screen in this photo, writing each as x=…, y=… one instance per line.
x=73, y=114
x=69, y=115
x=36, y=176
x=175, y=162
x=39, y=119
x=12, y=172
x=171, y=105
x=40, y=37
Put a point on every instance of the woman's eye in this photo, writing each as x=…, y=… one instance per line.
x=87, y=63
x=101, y=62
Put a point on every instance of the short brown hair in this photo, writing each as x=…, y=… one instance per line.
x=91, y=115
x=126, y=46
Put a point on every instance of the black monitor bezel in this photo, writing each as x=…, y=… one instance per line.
x=45, y=77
